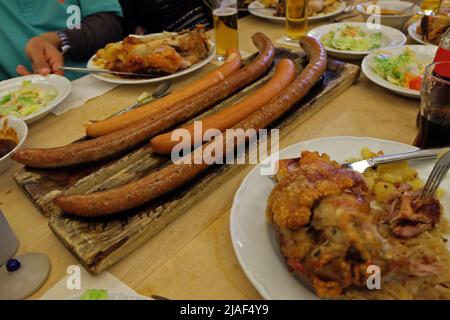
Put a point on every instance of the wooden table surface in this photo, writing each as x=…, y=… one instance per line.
x=193, y=257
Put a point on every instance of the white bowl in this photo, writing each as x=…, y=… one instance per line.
x=22, y=131
x=62, y=85
x=394, y=21
x=390, y=38
x=424, y=54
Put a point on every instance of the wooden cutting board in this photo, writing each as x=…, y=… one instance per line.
x=100, y=243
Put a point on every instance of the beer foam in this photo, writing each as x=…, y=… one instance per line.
x=225, y=12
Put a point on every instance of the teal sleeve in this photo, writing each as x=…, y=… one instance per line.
x=90, y=7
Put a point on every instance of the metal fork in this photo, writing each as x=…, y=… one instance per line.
x=438, y=174
x=363, y=165
x=348, y=12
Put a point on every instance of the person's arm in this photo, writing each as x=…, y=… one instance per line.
x=44, y=51
x=96, y=32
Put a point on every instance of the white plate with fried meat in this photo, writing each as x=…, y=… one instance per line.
x=322, y=231
x=276, y=9
x=165, y=55
x=430, y=29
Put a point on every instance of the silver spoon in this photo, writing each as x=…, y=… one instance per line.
x=160, y=91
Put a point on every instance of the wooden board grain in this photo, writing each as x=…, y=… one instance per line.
x=100, y=243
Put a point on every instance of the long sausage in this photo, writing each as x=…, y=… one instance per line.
x=168, y=178
x=129, y=137
x=118, y=122
x=226, y=118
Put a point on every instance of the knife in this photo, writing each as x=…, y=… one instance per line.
x=116, y=73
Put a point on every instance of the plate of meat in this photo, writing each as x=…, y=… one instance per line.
x=322, y=231
x=275, y=9
x=163, y=56
x=430, y=29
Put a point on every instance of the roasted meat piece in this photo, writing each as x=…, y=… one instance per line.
x=410, y=215
x=321, y=213
x=432, y=28
x=349, y=243
x=331, y=229
x=303, y=183
x=335, y=251
x=166, y=54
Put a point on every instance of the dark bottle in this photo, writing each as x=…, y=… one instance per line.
x=434, y=117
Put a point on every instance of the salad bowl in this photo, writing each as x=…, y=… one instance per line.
x=399, y=69
x=372, y=36
x=32, y=97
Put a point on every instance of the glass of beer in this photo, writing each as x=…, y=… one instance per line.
x=225, y=15
x=434, y=120
x=296, y=19
x=430, y=7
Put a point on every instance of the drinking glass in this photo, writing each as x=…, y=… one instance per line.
x=296, y=19
x=430, y=7
x=434, y=122
x=225, y=15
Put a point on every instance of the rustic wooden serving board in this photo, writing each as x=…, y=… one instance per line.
x=100, y=243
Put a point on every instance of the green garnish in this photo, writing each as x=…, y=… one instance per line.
x=399, y=69
x=94, y=294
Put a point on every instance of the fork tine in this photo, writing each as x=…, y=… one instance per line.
x=434, y=183
x=442, y=174
x=438, y=177
x=438, y=174
x=430, y=182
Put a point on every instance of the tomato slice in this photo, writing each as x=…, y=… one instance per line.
x=415, y=83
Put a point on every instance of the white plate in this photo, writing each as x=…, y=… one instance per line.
x=415, y=36
x=394, y=21
x=390, y=38
x=60, y=84
x=424, y=54
x=257, y=8
x=253, y=238
x=119, y=80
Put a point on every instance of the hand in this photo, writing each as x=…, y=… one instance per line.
x=44, y=54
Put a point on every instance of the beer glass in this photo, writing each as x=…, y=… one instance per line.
x=296, y=19
x=434, y=122
x=225, y=15
x=430, y=7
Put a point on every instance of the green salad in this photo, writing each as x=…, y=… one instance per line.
x=352, y=38
x=402, y=70
x=94, y=294
x=28, y=99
